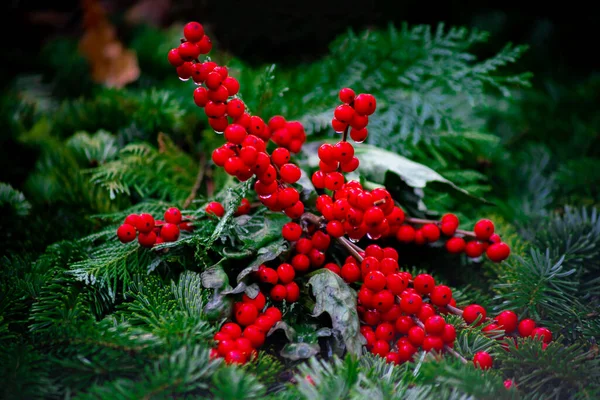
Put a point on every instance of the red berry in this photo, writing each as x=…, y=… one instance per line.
x=235, y=133
x=359, y=135
x=388, y=266
x=393, y=358
x=365, y=104
x=264, y=322
x=215, y=109
x=381, y=348
x=498, y=252
x=375, y=281
x=274, y=313
x=435, y=325
x=482, y=360
x=232, y=329
x=257, y=126
x=321, y=240
x=286, y=273
x=244, y=345
x=374, y=250
x=291, y=231
x=373, y=217
x=507, y=320
x=278, y=293
x=350, y=166
x=333, y=268
x=188, y=51
x=343, y=152
x=484, y=229
x=289, y=173
x=201, y=96
x=225, y=346
x=425, y=312
x=219, y=94
x=431, y=232
x=405, y=234
x=215, y=208
x=235, y=108
x=255, y=335
x=259, y=301
x=185, y=70
x=193, y=31
x=405, y=350
x=303, y=246
x=474, y=249
x=335, y=228
x=218, y=123
x=169, y=232
x=411, y=303
x=383, y=301
x=317, y=258
x=473, y=312
x=347, y=95
x=365, y=297
x=338, y=125
x=126, y=233
x=396, y=284
x=293, y=292
x=359, y=121
x=369, y=264
x=543, y=333
x=147, y=239
x=495, y=238
x=455, y=245
x=244, y=207
x=268, y=275
x=232, y=85
x=433, y=343
x=416, y=335
x=441, y=296
x=334, y=181
x=205, y=45
x=174, y=58
x=350, y=273
x=404, y=323
x=280, y=156
x=344, y=113
x=424, y=283
x=301, y=262
x=449, y=334
x=246, y=314
x=145, y=223
x=385, y=331
x=509, y=383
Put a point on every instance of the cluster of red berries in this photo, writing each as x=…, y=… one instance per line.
x=506, y=322
x=353, y=115
x=238, y=341
x=150, y=231
x=244, y=155
x=399, y=314
x=485, y=240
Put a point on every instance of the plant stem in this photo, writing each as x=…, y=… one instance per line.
x=455, y=354
x=348, y=245
x=454, y=310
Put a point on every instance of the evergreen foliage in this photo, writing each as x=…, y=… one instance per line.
x=84, y=316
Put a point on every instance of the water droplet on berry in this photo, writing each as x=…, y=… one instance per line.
x=358, y=141
x=374, y=237
x=354, y=240
x=184, y=79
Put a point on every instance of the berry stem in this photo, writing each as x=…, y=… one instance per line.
x=348, y=245
x=421, y=221
x=455, y=354
x=454, y=310
x=312, y=219
x=345, y=134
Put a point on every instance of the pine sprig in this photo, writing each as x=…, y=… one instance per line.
x=556, y=372
x=11, y=199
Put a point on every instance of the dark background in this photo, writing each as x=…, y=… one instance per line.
x=563, y=36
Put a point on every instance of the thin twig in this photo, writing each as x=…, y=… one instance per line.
x=455, y=354
x=348, y=246
x=198, y=182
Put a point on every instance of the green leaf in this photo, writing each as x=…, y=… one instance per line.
x=265, y=254
x=290, y=332
x=257, y=230
x=219, y=306
x=336, y=298
x=214, y=277
x=299, y=351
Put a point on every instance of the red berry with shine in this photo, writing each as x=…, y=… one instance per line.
x=474, y=249
x=215, y=208
x=169, y=232
x=291, y=231
x=347, y=95
x=482, y=360
x=484, y=229
x=424, y=283
x=193, y=31
x=350, y=273
x=259, y=301
x=278, y=293
x=232, y=329
x=286, y=273
x=381, y=348
x=289, y=173
x=411, y=303
x=473, y=312
x=441, y=296
x=507, y=320
x=456, y=245
x=435, y=325
x=375, y=281
x=145, y=223
x=293, y=292
x=365, y=104
x=246, y=314
x=126, y=233
x=498, y=252
x=543, y=333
